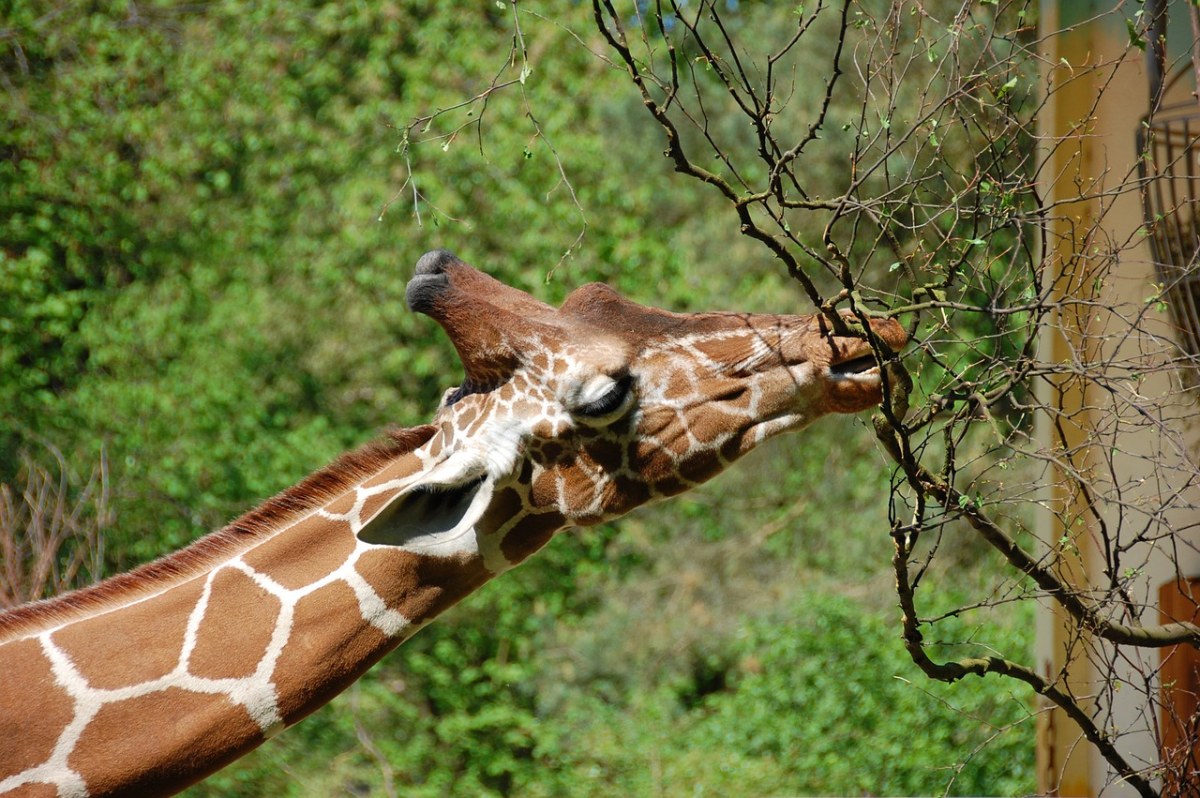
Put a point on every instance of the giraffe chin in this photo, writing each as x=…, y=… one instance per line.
x=854, y=392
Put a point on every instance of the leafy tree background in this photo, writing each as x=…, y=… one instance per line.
x=207, y=218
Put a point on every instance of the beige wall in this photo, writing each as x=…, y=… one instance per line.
x=1088, y=128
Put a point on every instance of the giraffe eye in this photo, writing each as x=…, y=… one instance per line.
x=615, y=399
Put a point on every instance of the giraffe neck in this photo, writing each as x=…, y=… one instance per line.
x=154, y=680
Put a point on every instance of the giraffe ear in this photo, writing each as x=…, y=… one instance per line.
x=433, y=516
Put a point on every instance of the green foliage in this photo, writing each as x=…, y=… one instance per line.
x=836, y=683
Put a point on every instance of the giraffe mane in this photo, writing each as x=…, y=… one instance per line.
x=316, y=490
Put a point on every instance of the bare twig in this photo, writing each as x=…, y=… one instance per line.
x=51, y=531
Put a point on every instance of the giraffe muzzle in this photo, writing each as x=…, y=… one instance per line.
x=853, y=378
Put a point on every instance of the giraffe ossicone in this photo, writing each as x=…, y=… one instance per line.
x=566, y=416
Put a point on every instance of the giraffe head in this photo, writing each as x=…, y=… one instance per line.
x=578, y=414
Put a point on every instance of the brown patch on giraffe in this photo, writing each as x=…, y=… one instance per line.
x=580, y=489
x=626, y=493
x=310, y=550
x=505, y=506
x=531, y=534
x=551, y=452
x=35, y=790
x=671, y=485
x=404, y=466
x=678, y=386
x=638, y=452
x=343, y=504
x=236, y=628
x=679, y=444
x=522, y=384
x=648, y=458
x=710, y=424
x=544, y=428
x=523, y=407
x=325, y=653
x=194, y=734
x=606, y=453
x=736, y=395
x=33, y=709
x=475, y=425
x=436, y=446
x=466, y=416
x=420, y=586
x=727, y=351
x=735, y=447
x=143, y=641
x=701, y=466
x=374, y=504
x=543, y=491
x=314, y=491
x=655, y=420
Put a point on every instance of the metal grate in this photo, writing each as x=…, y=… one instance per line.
x=1170, y=170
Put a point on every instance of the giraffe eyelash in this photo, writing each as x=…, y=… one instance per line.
x=610, y=402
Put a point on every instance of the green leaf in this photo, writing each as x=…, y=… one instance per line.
x=1136, y=38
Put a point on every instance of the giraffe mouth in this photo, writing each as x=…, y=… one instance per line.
x=863, y=366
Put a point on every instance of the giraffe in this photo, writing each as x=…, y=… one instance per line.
x=153, y=679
